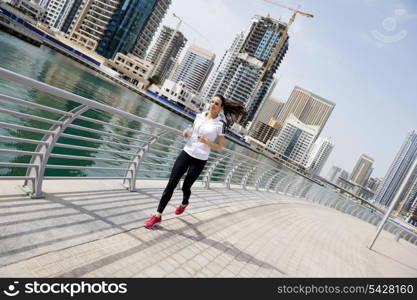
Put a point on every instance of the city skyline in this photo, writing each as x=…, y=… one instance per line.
x=335, y=58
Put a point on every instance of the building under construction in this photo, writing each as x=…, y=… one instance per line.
x=241, y=77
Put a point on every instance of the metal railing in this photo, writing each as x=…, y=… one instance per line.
x=83, y=139
x=47, y=139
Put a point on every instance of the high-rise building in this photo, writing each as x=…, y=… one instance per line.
x=269, y=109
x=397, y=172
x=260, y=128
x=57, y=12
x=195, y=68
x=212, y=85
x=309, y=108
x=151, y=25
x=72, y=14
x=262, y=132
x=112, y=26
x=131, y=20
x=246, y=67
x=362, y=170
x=170, y=48
x=410, y=197
x=318, y=154
x=91, y=22
x=294, y=141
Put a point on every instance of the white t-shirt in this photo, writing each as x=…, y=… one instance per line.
x=210, y=128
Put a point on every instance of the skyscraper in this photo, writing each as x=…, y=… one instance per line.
x=398, y=170
x=245, y=68
x=91, y=22
x=195, y=68
x=318, y=154
x=72, y=14
x=125, y=26
x=164, y=65
x=410, y=197
x=362, y=170
x=260, y=128
x=212, y=85
x=309, y=108
x=294, y=141
x=151, y=25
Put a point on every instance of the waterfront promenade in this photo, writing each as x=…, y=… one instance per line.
x=95, y=229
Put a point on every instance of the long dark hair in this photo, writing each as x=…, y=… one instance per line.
x=233, y=110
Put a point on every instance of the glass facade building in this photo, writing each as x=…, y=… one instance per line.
x=126, y=25
x=195, y=68
x=397, y=172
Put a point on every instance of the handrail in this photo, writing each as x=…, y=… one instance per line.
x=123, y=152
x=106, y=151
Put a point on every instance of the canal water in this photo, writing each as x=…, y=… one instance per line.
x=46, y=65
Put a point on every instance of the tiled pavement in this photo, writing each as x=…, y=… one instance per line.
x=98, y=232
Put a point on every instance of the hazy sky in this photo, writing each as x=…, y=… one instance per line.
x=359, y=54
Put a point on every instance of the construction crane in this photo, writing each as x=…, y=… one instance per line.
x=267, y=65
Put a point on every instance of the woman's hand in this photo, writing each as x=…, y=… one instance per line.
x=203, y=139
x=218, y=145
x=186, y=133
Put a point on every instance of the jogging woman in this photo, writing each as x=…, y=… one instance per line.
x=208, y=133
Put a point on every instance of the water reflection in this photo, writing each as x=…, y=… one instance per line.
x=45, y=65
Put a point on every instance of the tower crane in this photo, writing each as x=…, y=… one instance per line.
x=267, y=65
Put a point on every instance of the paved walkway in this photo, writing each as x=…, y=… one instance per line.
x=97, y=232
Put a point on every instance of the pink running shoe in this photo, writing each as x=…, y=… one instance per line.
x=180, y=209
x=153, y=221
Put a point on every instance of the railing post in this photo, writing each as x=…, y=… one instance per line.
x=131, y=173
x=246, y=177
x=210, y=170
x=229, y=176
x=269, y=182
x=305, y=189
x=34, y=187
x=258, y=180
x=286, y=189
x=276, y=187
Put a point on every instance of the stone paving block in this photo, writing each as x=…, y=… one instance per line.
x=201, y=260
x=187, y=253
x=189, y=270
x=179, y=273
x=167, y=267
x=154, y=271
x=227, y=274
x=234, y=267
x=205, y=273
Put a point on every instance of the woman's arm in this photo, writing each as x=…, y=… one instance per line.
x=218, y=145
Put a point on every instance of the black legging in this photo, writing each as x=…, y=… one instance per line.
x=183, y=163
